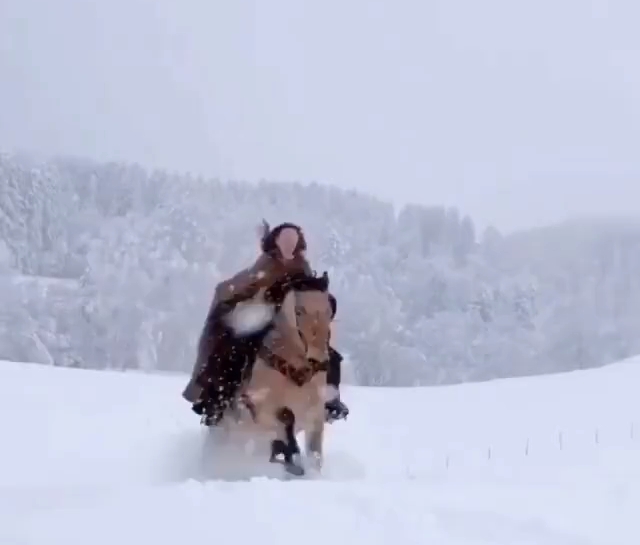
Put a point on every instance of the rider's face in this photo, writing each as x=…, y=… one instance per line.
x=287, y=241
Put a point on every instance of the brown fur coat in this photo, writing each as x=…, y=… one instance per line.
x=250, y=283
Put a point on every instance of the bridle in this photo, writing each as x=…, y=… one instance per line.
x=278, y=293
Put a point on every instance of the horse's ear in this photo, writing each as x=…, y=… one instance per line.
x=334, y=306
x=325, y=281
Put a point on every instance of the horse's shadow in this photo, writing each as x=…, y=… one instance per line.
x=235, y=460
x=208, y=455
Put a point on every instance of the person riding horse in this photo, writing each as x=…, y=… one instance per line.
x=224, y=355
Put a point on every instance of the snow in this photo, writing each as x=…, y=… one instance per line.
x=249, y=317
x=117, y=458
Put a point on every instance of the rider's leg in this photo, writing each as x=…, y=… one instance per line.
x=216, y=385
x=335, y=408
x=193, y=392
x=334, y=374
x=226, y=370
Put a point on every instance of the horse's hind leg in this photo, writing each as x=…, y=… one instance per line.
x=286, y=443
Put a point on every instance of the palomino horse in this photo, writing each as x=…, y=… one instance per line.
x=285, y=390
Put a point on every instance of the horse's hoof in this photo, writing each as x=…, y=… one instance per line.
x=315, y=461
x=295, y=466
x=294, y=469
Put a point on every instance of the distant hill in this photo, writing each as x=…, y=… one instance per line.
x=422, y=298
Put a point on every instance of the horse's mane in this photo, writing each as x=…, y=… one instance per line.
x=308, y=282
x=300, y=281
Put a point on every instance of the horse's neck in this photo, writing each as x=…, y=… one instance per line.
x=287, y=314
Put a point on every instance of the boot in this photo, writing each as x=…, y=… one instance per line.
x=210, y=407
x=210, y=413
x=335, y=409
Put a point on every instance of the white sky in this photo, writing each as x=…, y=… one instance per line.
x=519, y=112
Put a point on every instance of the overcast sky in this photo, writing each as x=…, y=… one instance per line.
x=519, y=112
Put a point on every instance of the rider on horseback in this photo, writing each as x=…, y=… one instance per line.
x=224, y=354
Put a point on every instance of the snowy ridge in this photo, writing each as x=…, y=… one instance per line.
x=106, y=457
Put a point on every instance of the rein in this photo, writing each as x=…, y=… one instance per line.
x=298, y=375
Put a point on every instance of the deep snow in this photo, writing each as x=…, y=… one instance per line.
x=117, y=458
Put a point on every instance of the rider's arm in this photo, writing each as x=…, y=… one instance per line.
x=245, y=284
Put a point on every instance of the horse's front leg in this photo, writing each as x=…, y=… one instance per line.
x=314, y=437
x=285, y=444
x=314, y=430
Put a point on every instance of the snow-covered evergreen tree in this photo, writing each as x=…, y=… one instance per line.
x=108, y=265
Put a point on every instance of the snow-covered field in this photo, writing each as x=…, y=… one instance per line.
x=97, y=458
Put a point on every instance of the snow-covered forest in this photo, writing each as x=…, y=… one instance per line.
x=109, y=265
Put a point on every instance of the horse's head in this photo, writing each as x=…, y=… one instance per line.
x=309, y=308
